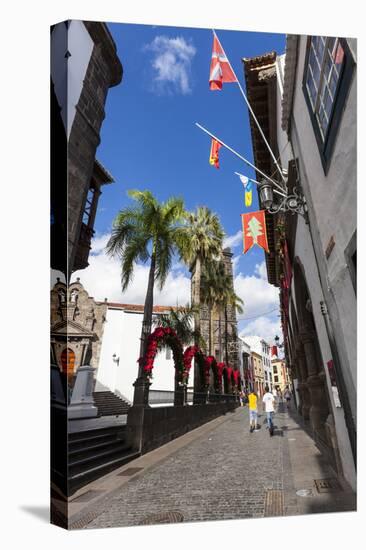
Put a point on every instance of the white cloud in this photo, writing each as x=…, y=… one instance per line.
x=259, y=298
x=102, y=279
x=171, y=63
x=265, y=327
x=256, y=292
x=233, y=240
x=99, y=243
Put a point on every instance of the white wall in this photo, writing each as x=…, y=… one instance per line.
x=122, y=336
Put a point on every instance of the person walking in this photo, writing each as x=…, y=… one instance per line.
x=287, y=396
x=268, y=401
x=253, y=411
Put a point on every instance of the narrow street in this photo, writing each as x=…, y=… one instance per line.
x=218, y=471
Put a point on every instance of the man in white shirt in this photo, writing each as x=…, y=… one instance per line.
x=268, y=401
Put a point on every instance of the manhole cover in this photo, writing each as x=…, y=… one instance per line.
x=163, y=517
x=328, y=485
x=304, y=493
x=130, y=471
x=85, y=497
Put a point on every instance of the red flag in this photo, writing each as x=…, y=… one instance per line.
x=214, y=153
x=220, y=70
x=254, y=230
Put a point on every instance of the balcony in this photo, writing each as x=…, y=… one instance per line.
x=83, y=247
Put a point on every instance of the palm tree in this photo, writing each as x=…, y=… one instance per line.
x=146, y=232
x=200, y=241
x=182, y=321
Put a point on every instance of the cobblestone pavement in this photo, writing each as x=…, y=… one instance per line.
x=228, y=473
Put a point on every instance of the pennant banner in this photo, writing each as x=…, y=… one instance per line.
x=248, y=194
x=220, y=70
x=214, y=153
x=254, y=230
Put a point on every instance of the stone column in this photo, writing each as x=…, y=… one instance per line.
x=179, y=392
x=141, y=393
x=58, y=397
x=304, y=404
x=82, y=402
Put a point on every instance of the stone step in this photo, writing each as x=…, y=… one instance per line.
x=77, y=480
x=97, y=433
x=91, y=449
x=78, y=464
x=109, y=404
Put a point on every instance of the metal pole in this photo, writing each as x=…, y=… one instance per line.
x=252, y=113
x=258, y=183
x=242, y=158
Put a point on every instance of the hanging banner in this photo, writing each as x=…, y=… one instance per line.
x=220, y=70
x=214, y=153
x=248, y=194
x=254, y=230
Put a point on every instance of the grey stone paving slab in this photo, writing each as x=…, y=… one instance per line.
x=225, y=473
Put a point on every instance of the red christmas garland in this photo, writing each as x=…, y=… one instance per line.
x=154, y=340
x=188, y=355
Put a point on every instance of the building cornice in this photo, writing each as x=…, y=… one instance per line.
x=292, y=41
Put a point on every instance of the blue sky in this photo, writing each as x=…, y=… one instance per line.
x=149, y=141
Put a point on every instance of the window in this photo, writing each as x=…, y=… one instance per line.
x=276, y=378
x=327, y=77
x=88, y=206
x=168, y=354
x=274, y=370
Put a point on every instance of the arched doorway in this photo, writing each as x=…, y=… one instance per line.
x=68, y=363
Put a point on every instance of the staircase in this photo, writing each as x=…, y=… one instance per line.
x=94, y=453
x=109, y=404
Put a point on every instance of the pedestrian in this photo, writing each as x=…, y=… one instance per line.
x=287, y=396
x=253, y=411
x=241, y=397
x=269, y=401
x=280, y=396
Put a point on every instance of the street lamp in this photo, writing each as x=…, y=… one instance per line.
x=294, y=203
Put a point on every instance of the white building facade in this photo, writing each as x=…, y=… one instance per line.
x=260, y=346
x=118, y=367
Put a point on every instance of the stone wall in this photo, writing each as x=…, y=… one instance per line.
x=149, y=428
x=104, y=70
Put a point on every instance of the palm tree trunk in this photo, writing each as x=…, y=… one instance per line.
x=197, y=387
x=148, y=310
x=209, y=330
x=220, y=337
x=226, y=337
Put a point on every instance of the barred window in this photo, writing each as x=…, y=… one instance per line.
x=327, y=76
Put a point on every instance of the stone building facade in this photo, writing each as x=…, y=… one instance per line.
x=258, y=372
x=224, y=326
x=84, y=65
x=77, y=325
x=311, y=125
